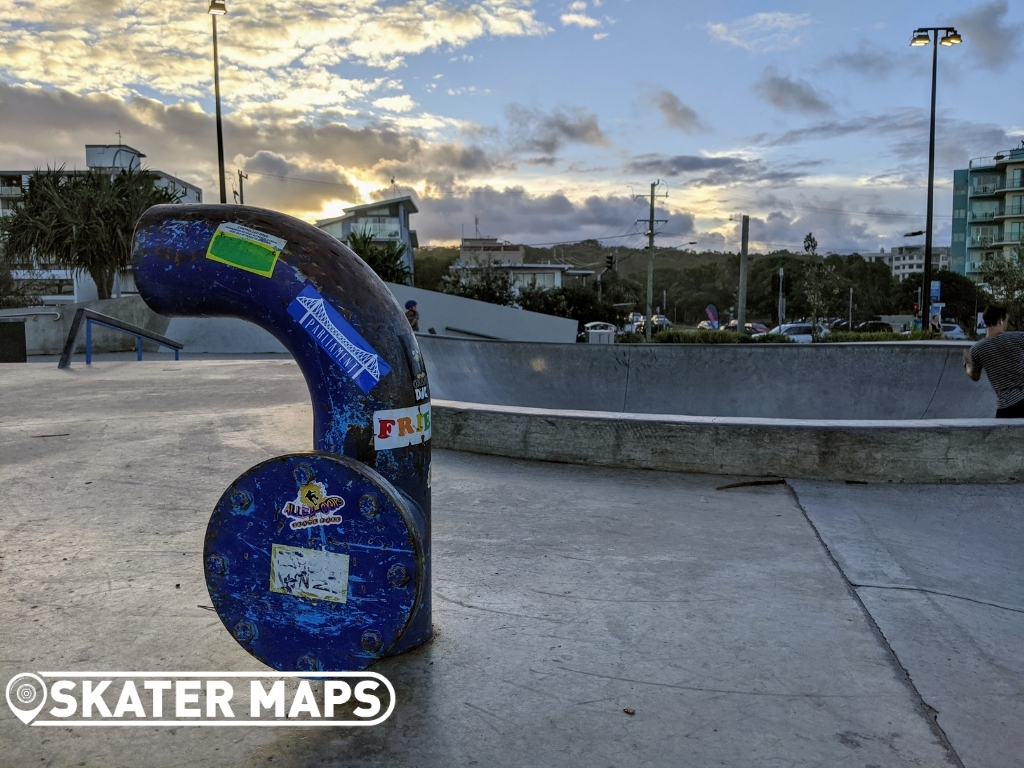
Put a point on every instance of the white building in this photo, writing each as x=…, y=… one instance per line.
x=386, y=220
x=907, y=260
x=63, y=285
x=479, y=252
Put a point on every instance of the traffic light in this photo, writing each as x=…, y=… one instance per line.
x=609, y=261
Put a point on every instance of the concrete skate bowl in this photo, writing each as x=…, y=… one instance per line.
x=889, y=412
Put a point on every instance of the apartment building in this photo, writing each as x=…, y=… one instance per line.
x=479, y=252
x=385, y=220
x=62, y=285
x=907, y=260
x=988, y=210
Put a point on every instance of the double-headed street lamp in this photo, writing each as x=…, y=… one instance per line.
x=922, y=36
x=218, y=8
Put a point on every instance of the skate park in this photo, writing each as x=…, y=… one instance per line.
x=600, y=595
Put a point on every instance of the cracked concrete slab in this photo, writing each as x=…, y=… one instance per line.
x=941, y=570
x=563, y=595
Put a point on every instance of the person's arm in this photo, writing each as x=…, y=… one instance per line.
x=969, y=368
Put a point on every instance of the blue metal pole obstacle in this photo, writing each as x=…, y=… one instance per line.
x=318, y=560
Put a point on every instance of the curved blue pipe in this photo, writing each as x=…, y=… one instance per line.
x=347, y=333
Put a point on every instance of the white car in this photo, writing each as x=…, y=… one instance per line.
x=801, y=333
x=953, y=331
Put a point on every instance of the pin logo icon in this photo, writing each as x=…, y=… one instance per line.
x=24, y=691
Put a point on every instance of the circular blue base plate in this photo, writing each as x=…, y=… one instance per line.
x=313, y=563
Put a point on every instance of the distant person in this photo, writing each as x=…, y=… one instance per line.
x=412, y=314
x=1001, y=354
x=915, y=324
x=936, y=325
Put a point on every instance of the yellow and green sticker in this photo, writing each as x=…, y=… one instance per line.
x=245, y=248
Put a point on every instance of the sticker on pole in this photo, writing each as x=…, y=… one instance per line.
x=338, y=339
x=245, y=248
x=309, y=573
x=400, y=427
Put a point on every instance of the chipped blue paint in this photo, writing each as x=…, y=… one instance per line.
x=176, y=279
x=282, y=628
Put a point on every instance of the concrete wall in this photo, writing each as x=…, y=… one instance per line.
x=449, y=315
x=223, y=335
x=954, y=451
x=45, y=334
x=896, y=380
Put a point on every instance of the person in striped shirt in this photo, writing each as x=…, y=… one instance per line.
x=1001, y=355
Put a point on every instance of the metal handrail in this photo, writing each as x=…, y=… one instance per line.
x=30, y=313
x=91, y=316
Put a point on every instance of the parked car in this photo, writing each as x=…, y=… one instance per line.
x=802, y=333
x=634, y=323
x=868, y=326
x=953, y=331
x=750, y=328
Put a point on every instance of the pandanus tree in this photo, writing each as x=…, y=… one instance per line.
x=80, y=221
x=384, y=257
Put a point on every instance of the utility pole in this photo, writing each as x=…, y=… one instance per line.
x=741, y=318
x=782, y=296
x=650, y=258
x=241, y=194
x=851, y=307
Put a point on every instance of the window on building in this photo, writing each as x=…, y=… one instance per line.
x=960, y=213
x=982, y=236
x=958, y=237
x=381, y=227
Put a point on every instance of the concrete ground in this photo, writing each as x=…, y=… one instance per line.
x=787, y=625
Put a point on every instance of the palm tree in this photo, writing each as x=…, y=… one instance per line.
x=383, y=258
x=80, y=221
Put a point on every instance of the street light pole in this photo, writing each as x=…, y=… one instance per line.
x=218, y=8
x=922, y=37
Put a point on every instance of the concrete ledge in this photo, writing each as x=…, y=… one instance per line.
x=920, y=451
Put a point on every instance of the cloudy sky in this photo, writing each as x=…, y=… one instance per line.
x=540, y=119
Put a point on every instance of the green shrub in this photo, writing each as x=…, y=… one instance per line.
x=847, y=336
x=713, y=337
x=699, y=337
x=630, y=338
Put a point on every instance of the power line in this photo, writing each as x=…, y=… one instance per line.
x=302, y=181
x=878, y=214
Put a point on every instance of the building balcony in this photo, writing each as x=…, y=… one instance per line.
x=1012, y=210
x=1002, y=158
x=984, y=190
x=1010, y=184
x=982, y=242
x=11, y=192
x=983, y=216
x=1010, y=238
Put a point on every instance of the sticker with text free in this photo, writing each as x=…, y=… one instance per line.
x=400, y=427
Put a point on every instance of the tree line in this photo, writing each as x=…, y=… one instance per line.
x=687, y=282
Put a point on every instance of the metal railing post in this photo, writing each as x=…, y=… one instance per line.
x=88, y=341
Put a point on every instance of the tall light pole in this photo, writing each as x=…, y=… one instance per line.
x=922, y=36
x=218, y=8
